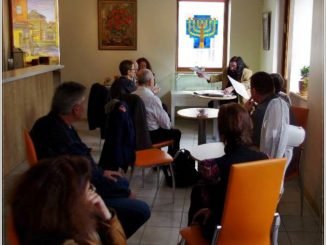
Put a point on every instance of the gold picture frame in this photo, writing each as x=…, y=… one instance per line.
x=117, y=24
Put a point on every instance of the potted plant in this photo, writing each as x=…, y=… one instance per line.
x=303, y=83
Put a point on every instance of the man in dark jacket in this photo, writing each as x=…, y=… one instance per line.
x=54, y=135
x=125, y=84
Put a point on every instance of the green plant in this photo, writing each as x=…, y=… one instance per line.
x=305, y=71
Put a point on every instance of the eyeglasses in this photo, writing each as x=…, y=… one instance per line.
x=92, y=188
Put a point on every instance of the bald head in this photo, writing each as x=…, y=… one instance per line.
x=145, y=77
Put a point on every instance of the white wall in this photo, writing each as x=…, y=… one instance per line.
x=313, y=164
x=246, y=31
x=85, y=63
x=156, y=40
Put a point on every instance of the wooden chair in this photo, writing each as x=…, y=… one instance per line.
x=30, y=149
x=251, y=200
x=294, y=170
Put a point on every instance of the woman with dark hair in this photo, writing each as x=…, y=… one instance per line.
x=278, y=86
x=207, y=197
x=143, y=63
x=54, y=203
x=238, y=70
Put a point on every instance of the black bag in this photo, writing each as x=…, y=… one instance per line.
x=184, y=170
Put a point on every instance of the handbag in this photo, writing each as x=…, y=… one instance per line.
x=209, y=170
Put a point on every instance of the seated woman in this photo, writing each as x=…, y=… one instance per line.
x=208, y=195
x=54, y=203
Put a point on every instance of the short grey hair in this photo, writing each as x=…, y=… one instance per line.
x=144, y=76
x=66, y=96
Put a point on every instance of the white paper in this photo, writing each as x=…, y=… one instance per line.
x=239, y=88
x=200, y=71
x=211, y=93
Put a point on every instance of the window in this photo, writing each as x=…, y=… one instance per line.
x=202, y=34
x=35, y=30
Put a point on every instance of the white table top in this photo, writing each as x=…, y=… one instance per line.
x=207, y=151
x=200, y=113
x=225, y=97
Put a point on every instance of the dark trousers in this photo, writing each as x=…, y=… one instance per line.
x=162, y=134
x=132, y=213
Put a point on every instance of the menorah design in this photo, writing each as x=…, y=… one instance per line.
x=202, y=28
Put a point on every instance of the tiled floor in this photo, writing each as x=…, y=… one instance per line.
x=167, y=218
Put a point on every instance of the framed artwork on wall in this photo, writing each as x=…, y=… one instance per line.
x=266, y=30
x=117, y=24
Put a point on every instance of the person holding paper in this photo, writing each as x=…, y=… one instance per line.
x=237, y=69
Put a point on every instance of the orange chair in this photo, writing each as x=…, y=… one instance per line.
x=301, y=118
x=162, y=144
x=12, y=237
x=153, y=157
x=250, y=204
x=30, y=149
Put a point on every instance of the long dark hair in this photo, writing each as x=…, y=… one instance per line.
x=240, y=66
x=148, y=65
x=235, y=126
x=48, y=203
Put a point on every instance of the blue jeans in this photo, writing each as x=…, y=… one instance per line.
x=132, y=213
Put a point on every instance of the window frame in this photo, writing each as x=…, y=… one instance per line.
x=225, y=36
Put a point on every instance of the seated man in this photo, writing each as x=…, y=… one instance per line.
x=125, y=84
x=54, y=135
x=158, y=120
x=270, y=116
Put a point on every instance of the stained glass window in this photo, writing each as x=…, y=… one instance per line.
x=201, y=34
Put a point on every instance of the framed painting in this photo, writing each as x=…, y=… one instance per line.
x=266, y=30
x=117, y=24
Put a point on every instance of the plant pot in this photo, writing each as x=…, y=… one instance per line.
x=303, y=86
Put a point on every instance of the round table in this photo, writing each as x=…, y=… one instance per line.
x=201, y=114
x=216, y=98
x=207, y=151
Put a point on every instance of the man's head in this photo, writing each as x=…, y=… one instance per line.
x=261, y=86
x=127, y=68
x=145, y=78
x=69, y=99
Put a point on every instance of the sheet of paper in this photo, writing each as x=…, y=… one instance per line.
x=239, y=88
x=213, y=93
x=200, y=71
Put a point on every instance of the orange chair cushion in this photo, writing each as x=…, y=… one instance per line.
x=152, y=157
x=30, y=149
x=12, y=236
x=162, y=144
x=193, y=235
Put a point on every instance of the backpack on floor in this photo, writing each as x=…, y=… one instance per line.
x=184, y=170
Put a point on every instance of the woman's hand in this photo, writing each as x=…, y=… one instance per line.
x=99, y=207
x=228, y=90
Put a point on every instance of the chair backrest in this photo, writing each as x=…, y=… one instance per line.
x=138, y=114
x=30, y=149
x=301, y=116
x=251, y=201
x=11, y=233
